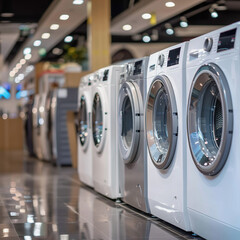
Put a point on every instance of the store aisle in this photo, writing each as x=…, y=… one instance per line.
x=38, y=201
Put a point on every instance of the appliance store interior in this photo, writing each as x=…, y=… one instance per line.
x=118, y=119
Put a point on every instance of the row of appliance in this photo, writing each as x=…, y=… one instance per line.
x=46, y=120
x=161, y=133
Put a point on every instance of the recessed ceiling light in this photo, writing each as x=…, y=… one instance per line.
x=28, y=56
x=170, y=4
x=68, y=39
x=22, y=61
x=12, y=74
x=146, y=16
x=7, y=14
x=57, y=51
x=78, y=2
x=64, y=17
x=27, y=50
x=127, y=27
x=54, y=27
x=18, y=66
x=45, y=35
x=37, y=43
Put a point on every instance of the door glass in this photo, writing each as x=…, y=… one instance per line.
x=82, y=124
x=205, y=120
x=97, y=120
x=127, y=122
x=160, y=127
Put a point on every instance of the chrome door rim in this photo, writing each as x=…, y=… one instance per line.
x=158, y=83
x=129, y=89
x=215, y=165
x=98, y=91
x=85, y=144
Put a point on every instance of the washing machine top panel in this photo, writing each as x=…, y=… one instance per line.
x=220, y=43
x=137, y=69
x=168, y=60
x=109, y=75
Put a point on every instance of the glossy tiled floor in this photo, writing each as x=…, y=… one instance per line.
x=38, y=201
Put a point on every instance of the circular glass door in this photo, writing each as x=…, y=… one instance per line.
x=97, y=120
x=161, y=122
x=210, y=120
x=82, y=121
x=129, y=121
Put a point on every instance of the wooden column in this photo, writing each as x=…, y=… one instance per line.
x=99, y=36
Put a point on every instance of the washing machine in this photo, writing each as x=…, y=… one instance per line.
x=132, y=142
x=85, y=158
x=107, y=169
x=36, y=127
x=44, y=126
x=213, y=114
x=165, y=123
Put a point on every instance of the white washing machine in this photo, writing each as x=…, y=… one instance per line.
x=107, y=169
x=213, y=113
x=85, y=144
x=44, y=126
x=166, y=135
x=36, y=127
x=132, y=142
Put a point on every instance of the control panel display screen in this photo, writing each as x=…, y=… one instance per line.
x=226, y=40
x=173, y=57
x=137, y=68
x=105, y=75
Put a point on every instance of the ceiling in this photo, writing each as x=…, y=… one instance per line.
x=32, y=18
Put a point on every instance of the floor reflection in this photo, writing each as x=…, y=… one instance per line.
x=38, y=201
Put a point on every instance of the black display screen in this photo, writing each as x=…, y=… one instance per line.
x=105, y=75
x=173, y=57
x=137, y=68
x=226, y=40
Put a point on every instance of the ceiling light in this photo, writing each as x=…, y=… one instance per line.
x=68, y=39
x=64, y=17
x=57, y=51
x=183, y=22
x=170, y=4
x=146, y=38
x=27, y=50
x=37, y=43
x=78, y=2
x=7, y=14
x=54, y=27
x=146, y=16
x=169, y=29
x=127, y=27
x=22, y=61
x=28, y=56
x=12, y=74
x=213, y=12
x=18, y=66
x=45, y=35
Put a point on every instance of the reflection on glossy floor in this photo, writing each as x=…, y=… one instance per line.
x=38, y=201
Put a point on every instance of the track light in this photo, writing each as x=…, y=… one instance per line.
x=169, y=29
x=146, y=38
x=183, y=22
x=213, y=13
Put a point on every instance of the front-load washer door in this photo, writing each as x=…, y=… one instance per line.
x=129, y=120
x=210, y=119
x=161, y=122
x=83, y=120
x=99, y=120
